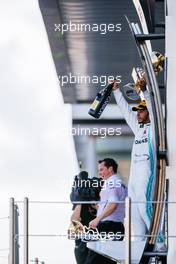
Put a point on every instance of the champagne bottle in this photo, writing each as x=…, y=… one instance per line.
x=101, y=100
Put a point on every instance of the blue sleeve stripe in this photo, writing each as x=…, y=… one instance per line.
x=149, y=206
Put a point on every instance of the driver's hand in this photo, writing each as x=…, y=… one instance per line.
x=142, y=83
x=115, y=86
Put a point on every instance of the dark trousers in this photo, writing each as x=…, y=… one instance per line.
x=81, y=251
x=105, y=226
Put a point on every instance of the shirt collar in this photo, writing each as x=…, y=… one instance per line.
x=112, y=177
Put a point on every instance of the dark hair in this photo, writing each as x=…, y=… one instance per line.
x=110, y=163
x=85, y=188
x=83, y=175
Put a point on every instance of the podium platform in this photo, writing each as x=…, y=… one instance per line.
x=116, y=250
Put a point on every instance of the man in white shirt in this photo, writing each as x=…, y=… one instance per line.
x=113, y=191
x=111, y=209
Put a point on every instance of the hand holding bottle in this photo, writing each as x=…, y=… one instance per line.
x=101, y=100
x=115, y=85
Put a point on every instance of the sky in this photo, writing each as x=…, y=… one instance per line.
x=37, y=155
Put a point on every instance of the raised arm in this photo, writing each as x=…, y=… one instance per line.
x=149, y=106
x=125, y=109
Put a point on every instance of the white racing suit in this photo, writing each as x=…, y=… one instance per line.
x=143, y=164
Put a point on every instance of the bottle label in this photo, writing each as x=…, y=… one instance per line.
x=94, y=104
x=104, y=105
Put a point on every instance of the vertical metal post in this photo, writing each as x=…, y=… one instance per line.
x=11, y=232
x=16, y=233
x=26, y=235
x=128, y=230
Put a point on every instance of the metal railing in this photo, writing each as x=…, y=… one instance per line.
x=14, y=234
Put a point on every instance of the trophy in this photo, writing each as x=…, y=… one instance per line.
x=132, y=91
x=157, y=61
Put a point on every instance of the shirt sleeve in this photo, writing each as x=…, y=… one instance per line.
x=117, y=194
x=129, y=115
x=112, y=195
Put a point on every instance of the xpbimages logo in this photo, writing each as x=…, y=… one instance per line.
x=102, y=132
x=87, y=79
x=102, y=28
x=90, y=235
x=93, y=183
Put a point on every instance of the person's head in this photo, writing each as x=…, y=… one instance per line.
x=106, y=168
x=142, y=113
x=83, y=175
